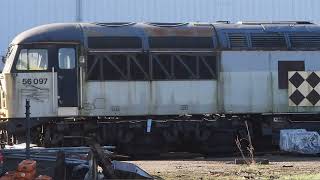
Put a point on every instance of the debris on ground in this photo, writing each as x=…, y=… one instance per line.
x=256, y=160
x=302, y=167
x=94, y=162
x=26, y=170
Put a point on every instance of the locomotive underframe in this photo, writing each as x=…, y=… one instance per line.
x=207, y=134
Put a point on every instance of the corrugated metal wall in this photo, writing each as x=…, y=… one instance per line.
x=200, y=10
x=19, y=15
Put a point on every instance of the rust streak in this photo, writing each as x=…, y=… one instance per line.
x=173, y=31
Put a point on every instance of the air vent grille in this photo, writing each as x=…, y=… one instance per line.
x=270, y=40
x=237, y=40
x=181, y=42
x=114, y=42
x=302, y=40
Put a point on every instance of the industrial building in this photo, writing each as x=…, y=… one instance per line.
x=17, y=16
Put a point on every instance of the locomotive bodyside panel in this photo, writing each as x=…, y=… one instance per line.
x=245, y=82
x=280, y=96
x=184, y=97
x=250, y=81
x=116, y=98
x=150, y=98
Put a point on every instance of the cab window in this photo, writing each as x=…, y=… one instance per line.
x=67, y=58
x=32, y=59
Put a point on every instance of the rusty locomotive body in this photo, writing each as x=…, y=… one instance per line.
x=146, y=87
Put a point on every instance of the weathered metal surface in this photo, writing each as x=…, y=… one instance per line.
x=102, y=159
x=283, y=36
x=183, y=97
x=150, y=98
x=116, y=98
x=58, y=32
x=245, y=82
x=41, y=150
x=280, y=96
x=259, y=37
x=254, y=87
x=179, y=30
x=270, y=36
x=77, y=157
x=41, y=96
x=133, y=170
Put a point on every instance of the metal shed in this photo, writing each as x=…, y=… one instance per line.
x=17, y=16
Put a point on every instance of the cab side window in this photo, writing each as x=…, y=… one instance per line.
x=32, y=59
x=67, y=58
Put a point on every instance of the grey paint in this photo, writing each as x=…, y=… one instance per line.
x=150, y=98
x=256, y=89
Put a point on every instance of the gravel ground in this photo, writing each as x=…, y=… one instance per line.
x=280, y=167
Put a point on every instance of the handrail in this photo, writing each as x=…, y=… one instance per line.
x=168, y=24
x=53, y=90
x=274, y=22
x=115, y=24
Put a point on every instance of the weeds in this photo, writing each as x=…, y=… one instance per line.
x=250, y=149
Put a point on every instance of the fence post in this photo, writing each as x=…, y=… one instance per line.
x=28, y=129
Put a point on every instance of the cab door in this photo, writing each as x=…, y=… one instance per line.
x=32, y=77
x=67, y=80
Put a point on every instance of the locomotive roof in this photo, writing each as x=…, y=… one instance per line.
x=57, y=32
x=205, y=36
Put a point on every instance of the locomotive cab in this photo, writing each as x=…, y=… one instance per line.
x=46, y=74
x=39, y=66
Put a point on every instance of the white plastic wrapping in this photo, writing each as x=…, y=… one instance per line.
x=300, y=141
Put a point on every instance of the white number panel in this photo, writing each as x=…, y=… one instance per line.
x=40, y=90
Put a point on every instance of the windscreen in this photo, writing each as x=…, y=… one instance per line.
x=32, y=59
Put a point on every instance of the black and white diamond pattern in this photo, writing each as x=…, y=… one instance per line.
x=304, y=88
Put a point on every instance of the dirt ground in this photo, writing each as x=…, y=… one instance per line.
x=280, y=167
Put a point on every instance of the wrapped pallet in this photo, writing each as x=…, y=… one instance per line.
x=300, y=141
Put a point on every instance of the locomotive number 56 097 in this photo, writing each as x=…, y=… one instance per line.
x=35, y=81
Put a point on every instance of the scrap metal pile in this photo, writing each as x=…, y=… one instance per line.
x=94, y=163
x=26, y=170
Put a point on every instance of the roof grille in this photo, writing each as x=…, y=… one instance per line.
x=114, y=42
x=237, y=40
x=270, y=40
x=303, y=40
x=179, y=42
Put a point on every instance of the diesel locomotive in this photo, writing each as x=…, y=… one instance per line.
x=159, y=87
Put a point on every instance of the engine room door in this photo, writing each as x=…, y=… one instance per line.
x=67, y=79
